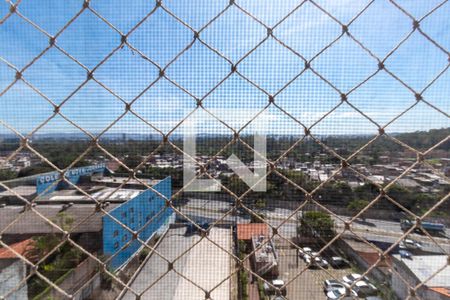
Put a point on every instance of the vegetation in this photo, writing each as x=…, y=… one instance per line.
x=257, y=217
x=261, y=291
x=242, y=274
x=356, y=206
x=7, y=175
x=260, y=204
x=35, y=169
x=242, y=248
x=58, y=263
x=316, y=224
x=63, y=151
x=143, y=254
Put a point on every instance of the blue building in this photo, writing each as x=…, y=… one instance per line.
x=135, y=214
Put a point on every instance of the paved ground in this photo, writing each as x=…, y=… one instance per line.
x=309, y=284
x=205, y=264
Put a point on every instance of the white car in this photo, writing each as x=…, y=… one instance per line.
x=349, y=279
x=410, y=244
x=276, y=284
x=314, y=260
x=363, y=289
x=304, y=251
x=332, y=284
x=342, y=294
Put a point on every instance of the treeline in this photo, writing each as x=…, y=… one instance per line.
x=62, y=152
x=339, y=193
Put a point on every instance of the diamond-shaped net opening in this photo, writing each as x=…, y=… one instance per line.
x=224, y=149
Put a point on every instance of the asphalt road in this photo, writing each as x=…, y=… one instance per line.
x=371, y=229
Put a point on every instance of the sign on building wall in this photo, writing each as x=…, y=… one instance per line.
x=46, y=183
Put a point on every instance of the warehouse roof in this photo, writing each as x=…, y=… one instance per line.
x=76, y=218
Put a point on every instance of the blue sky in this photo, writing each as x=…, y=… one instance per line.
x=382, y=26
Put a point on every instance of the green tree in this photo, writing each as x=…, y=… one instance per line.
x=338, y=192
x=356, y=206
x=131, y=161
x=7, y=175
x=367, y=191
x=316, y=224
x=58, y=262
x=403, y=196
x=36, y=169
x=260, y=204
x=237, y=186
x=257, y=217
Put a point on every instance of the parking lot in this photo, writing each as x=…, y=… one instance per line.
x=309, y=284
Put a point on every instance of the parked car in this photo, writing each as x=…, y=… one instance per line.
x=303, y=251
x=191, y=229
x=349, y=279
x=338, y=262
x=405, y=254
x=332, y=284
x=314, y=260
x=342, y=294
x=278, y=284
x=364, y=289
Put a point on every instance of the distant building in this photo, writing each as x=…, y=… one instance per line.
x=377, y=179
x=408, y=183
x=131, y=203
x=421, y=269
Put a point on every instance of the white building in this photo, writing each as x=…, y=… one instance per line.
x=420, y=269
x=13, y=270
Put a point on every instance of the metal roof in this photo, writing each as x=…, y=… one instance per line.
x=82, y=218
x=424, y=266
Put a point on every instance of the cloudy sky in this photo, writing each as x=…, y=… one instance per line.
x=307, y=31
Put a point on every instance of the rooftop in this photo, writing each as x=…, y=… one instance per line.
x=247, y=231
x=99, y=193
x=442, y=290
x=266, y=253
x=83, y=218
x=120, y=180
x=22, y=190
x=424, y=266
x=20, y=247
